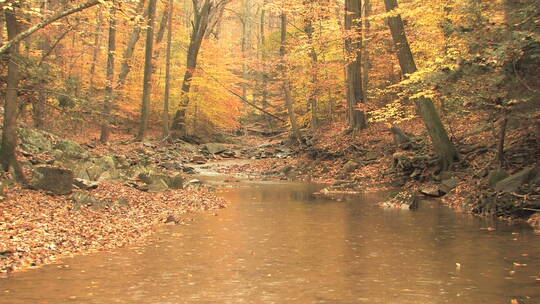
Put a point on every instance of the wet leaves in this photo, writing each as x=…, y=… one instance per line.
x=37, y=229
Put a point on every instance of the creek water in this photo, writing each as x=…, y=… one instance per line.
x=277, y=243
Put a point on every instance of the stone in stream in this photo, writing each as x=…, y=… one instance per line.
x=58, y=181
x=404, y=200
x=432, y=191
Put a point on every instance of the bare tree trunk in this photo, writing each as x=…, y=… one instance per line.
x=246, y=40
x=366, y=27
x=8, y=159
x=147, y=85
x=200, y=25
x=353, y=23
x=97, y=45
x=442, y=145
x=130, y=49
x=109, y=96
x=168, y=73
x=286, y=81
x=312, y=100
x=502, y=136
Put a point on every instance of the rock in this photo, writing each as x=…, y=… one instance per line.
x=171, y=220
x=228, y=154
x=199, y=159
x=71, y=149
x=448, y=184
x=158, y=186
x=513, y=182
x=214, y=148
x=94, y=172
x=176, y=182
x=137, y=185
x=405, y=200
x=432, y=191
x=495, y=176
x=85, y=184
x=189, y=170
x=58, y=181
x=80, y=199
x=372, y=155
x=350, y=166
x=287, y=170
x=195, y=183
x=34, y=141
x=121, y=162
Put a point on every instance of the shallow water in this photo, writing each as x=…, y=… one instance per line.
x=276, y=243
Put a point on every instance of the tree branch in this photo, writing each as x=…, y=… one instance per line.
x=46, y=22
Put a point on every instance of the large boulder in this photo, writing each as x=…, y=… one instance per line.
x=513, y=182
x=214, y=148
x=58, y=181
x=71, y=149
x=34, y=141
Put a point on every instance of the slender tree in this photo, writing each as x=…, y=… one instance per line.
x=286, y=81
x=130, y=48
x=168, y=72
x=442, y=145
x=147, y=84
x=310, y=29
x=109, y=96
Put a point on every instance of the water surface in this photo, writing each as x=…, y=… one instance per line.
x=276, y=243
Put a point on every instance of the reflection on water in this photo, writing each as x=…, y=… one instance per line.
x=276, y=243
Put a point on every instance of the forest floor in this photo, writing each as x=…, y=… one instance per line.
x=37, y=228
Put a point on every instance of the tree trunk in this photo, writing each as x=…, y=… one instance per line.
x=286, y=81
x=200, y=25
x=8, y=159
x=366, y=27
x=353, y=23
x=168, y=73
x=312, y=101
x=109, y=96
x=147, y=84
x=442, y=145
x=130, y=48
x=95, y=54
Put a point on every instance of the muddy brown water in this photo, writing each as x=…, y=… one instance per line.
x=276, y=243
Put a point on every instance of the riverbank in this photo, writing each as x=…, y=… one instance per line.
x=378, y=159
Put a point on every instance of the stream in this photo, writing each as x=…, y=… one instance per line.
x=277, y=243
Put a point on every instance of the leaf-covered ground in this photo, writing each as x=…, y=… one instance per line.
x=37, y=229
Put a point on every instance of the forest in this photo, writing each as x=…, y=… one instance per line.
x=117, y=115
